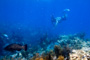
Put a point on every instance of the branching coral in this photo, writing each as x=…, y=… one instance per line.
x=62, y=51
x=57, y=50
x=66, y=51
x=48, y=57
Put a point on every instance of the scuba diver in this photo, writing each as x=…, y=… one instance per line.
x=57, y=20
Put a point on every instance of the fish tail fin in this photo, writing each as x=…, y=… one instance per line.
x=25, y=47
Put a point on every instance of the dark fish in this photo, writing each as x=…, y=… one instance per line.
x=15, y=47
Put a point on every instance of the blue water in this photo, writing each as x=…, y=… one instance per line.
x=32, y=18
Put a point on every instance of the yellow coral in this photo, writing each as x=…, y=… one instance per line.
x=41, y=59
x=60, y=58
x=37, y=59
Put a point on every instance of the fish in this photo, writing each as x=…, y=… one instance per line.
x=15, y=47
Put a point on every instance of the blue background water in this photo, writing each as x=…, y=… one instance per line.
x=30, y=16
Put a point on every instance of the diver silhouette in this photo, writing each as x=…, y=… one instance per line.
x=56, y=20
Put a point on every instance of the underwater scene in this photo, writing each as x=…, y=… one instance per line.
x=44, y=29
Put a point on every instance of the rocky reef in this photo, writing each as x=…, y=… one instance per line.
x=65, y=47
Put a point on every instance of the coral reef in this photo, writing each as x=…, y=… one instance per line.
x=60, y=58
x=76, y=41
x=65, y=47
x=58, y=50
x=80, y=54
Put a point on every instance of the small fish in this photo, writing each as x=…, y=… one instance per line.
x=5, y=35
x=15, y=47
